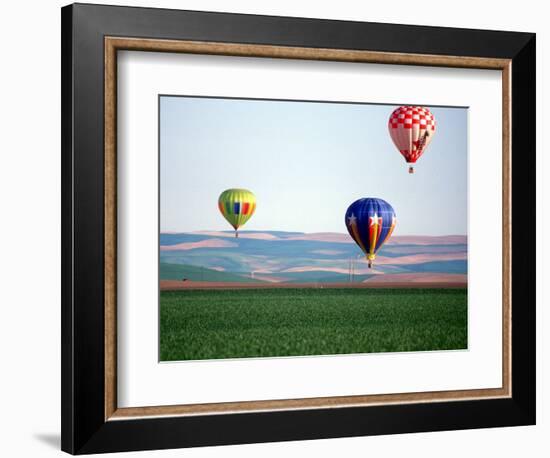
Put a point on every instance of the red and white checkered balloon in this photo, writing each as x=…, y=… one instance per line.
x=411, y=129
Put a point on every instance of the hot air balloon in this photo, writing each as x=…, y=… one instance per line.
x=237, y=206
x=411, y=129
x=370, y=222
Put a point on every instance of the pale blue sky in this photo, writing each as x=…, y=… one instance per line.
x=306, y=163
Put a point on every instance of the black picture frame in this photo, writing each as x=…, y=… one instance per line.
x=84, y=428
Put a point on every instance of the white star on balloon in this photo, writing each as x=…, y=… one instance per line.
x=352, y=219
x=374, y=219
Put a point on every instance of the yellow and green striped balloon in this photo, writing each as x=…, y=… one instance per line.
x=237, y=206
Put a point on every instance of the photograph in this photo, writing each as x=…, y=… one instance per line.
x=304, y=227
x=279, y=225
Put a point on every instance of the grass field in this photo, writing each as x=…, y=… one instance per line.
x=213, y=324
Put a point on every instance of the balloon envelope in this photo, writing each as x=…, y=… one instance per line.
x=411, y=129
x=237, y=206
x=370, y=222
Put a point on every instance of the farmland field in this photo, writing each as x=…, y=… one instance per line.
x=214, y=324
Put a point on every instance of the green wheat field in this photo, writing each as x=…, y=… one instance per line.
x=245, y=323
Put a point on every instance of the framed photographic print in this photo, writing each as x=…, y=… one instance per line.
x=282, y=228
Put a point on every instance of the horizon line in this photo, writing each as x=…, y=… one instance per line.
x=230, y=231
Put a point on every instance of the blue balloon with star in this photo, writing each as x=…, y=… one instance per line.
x=370, y=222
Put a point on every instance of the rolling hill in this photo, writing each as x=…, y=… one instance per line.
x=194, y=273
x=293, y=257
